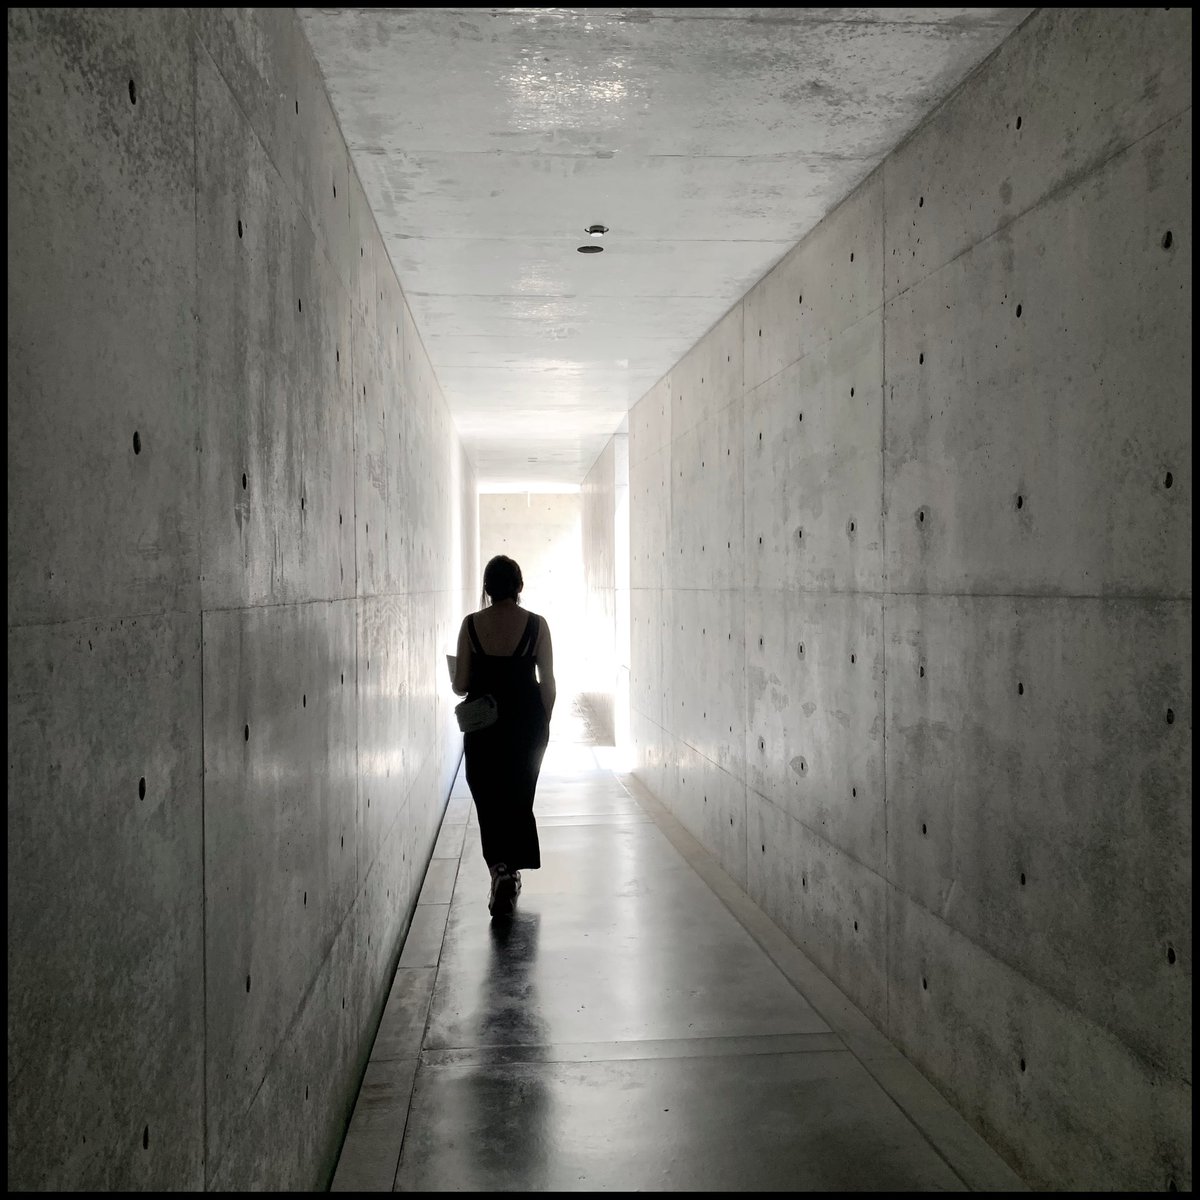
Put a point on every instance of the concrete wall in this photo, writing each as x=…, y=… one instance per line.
x=240, y=524
x=542, y=532
x=910, y=554
x=599, y=493
x=605, y=495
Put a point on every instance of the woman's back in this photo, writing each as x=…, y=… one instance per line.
x=501, y=627
x=502, y=665
x=505, y=651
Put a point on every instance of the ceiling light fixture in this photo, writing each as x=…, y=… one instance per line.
x=596, y=231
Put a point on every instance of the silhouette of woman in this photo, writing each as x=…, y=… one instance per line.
x=498, y=649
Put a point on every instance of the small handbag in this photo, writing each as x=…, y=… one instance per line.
x=477, y=714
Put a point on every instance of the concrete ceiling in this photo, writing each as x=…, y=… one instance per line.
x=708, y=140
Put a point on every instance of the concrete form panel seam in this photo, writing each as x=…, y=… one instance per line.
x=883, y=524
x=816, y=833
x=1107, y=597
x=1110, y=597
x=1035, y=985
x=983, y=65
x=1073, y=180
x=194, y=62
x=284, y=190
x=874, y=313
x=745, y=638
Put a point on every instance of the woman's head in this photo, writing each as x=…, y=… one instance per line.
x=502, y=579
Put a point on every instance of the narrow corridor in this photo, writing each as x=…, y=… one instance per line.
x=639, y=1024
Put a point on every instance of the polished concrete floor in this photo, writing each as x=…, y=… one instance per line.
x=638, y=1025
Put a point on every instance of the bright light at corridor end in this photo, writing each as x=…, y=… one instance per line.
x=521, y=487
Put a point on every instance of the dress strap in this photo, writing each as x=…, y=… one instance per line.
x=473, y=635
x=528, y=638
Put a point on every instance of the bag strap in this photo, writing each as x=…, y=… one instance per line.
x=473, y=635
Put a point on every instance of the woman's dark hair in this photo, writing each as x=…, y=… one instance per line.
x=502, y=579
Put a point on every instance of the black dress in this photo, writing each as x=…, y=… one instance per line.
x=504, y=759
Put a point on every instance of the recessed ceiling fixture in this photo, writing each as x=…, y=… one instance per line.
x=596, y=231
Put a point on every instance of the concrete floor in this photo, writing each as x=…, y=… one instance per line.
x=638, y=1025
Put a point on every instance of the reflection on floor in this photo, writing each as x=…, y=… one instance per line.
x=637, y=1025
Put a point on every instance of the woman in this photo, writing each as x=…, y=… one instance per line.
x=498, y=648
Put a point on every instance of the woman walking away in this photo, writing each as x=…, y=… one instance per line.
x=498, y=648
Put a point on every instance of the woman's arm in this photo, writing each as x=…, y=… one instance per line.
x=462, y=663
x=545, y=669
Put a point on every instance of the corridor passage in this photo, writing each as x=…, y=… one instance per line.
x=637, y=1025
